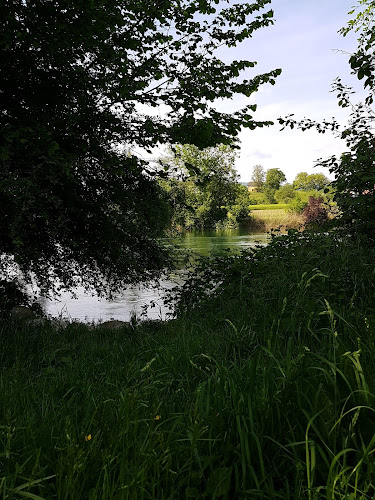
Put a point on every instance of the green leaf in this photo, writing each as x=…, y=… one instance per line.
x=191, y=492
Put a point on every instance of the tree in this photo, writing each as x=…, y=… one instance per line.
x=274, y=178
x=269, y=194
x=259, y=176
x=318, y=182
x=209, y=182
x=315, y=212
x=300, y=181
x=354, y=170
x=239, y=213
x=285, y=194
x=362, y=61
x=80, y=82
x=310, y=182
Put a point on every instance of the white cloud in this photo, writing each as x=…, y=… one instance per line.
x=302, y=44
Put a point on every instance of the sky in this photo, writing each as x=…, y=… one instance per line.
x=305, y=44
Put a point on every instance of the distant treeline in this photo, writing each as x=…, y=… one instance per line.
x=204, y=191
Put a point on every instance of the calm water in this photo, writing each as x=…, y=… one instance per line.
x=136, y=298
x=218, y=242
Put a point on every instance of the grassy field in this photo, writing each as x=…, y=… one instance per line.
x=279, y=206
x=263, y=388
x=267, y=219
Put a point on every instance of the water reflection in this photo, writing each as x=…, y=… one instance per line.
x=135, y=299
x=140, y=300
x=218, y=242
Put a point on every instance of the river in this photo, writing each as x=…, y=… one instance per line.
x=138, y=299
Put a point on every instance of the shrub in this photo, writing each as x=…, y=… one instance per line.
x=315, y=212
x=257, y=198
x=297, y=205
x=285, y=194
x=13, y=293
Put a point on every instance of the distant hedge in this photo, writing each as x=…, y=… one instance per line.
x=278, y=206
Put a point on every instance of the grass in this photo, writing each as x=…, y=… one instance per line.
x=262, y=388
x=279, y=206
x=267, y=219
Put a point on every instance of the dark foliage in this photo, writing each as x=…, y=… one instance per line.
x=354, y=170
x=78, y=81
x=315, y=212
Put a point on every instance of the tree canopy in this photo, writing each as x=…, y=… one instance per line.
x=82, y=85
x=354, y=170
x=307, y=182
x=258, y=176
x=274, y=178
x=285, y=194
x=203, y=185
x=362, y=60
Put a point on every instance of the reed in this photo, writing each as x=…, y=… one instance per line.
x=268, y=219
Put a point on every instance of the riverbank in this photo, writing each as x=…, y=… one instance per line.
x=263, y=387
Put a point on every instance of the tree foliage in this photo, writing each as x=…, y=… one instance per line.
x=285, y=194
x=203, y=187
x=362, y=61
x=258, y=176
x=354, y=170
x=315, y=212
x=238, y=213
x=308, y=182
x=300, y=181
x=274, y=178
x=80, y=81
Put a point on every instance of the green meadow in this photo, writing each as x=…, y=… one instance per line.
x=262, y=387
x=265, y=218
x=277, y=206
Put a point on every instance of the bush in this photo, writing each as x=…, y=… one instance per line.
x=239, y=214
x=297, y=205
x=13, y=293
x=315, y=212
x=270, y=195
x=257, y=198
x=285, y=194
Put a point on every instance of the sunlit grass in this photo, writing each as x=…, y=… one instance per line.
x=278, y=206
x=268, y=219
